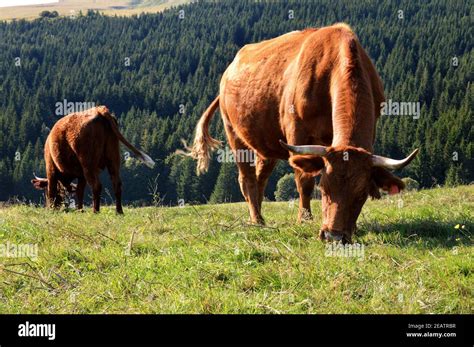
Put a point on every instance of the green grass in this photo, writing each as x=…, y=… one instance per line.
x=207, y=259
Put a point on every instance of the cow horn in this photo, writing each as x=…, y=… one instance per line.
x=38, y=178
x=310, y=149
x=393, y=164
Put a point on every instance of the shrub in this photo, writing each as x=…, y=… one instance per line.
x=410, y=183
x=48, y=14
x=286, y=188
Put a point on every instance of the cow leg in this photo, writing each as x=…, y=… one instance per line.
x=247, y=175
x=81, y=186
x=264, y=170
x=249, y=187
x=117, y=185
x=93, y=180
x=52, y=197
x=305, y=186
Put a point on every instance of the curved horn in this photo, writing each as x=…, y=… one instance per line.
x=38, y=178
x=311, y=149
x=393, y=164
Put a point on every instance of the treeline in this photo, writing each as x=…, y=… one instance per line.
x=159, y=72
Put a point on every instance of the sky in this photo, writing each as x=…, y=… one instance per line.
x=9, y=3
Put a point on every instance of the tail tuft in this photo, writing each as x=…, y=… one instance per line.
x=146, y=159
x=203, y=143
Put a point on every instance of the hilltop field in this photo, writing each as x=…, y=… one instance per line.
x=73, y=7
x=415, y=256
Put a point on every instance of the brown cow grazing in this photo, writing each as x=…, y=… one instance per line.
x=317, y=90
x=81, y=145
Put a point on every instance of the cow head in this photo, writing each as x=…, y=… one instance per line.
x=64, y=193
x=349, y=175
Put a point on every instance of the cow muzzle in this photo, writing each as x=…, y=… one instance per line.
x=335, y=236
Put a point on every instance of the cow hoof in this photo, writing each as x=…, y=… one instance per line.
x=305, y=219
x=305, y=216
x=259, y=221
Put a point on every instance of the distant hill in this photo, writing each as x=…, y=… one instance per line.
x=73, y=7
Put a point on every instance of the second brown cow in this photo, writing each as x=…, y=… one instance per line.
x=80, y=146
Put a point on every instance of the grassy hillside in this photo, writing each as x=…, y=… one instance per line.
x=418, y=258
x=107, y=7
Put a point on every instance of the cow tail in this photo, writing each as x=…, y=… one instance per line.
x=145, y=158
x=203, y=143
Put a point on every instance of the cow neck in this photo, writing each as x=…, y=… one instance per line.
x=353, y=133
x=353, y=117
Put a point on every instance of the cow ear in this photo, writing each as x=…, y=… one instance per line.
x=39, y=184
x=385, y=180
x=309, y=164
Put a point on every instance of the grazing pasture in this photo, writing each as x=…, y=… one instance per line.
x=73, y=7
x=417, y=257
